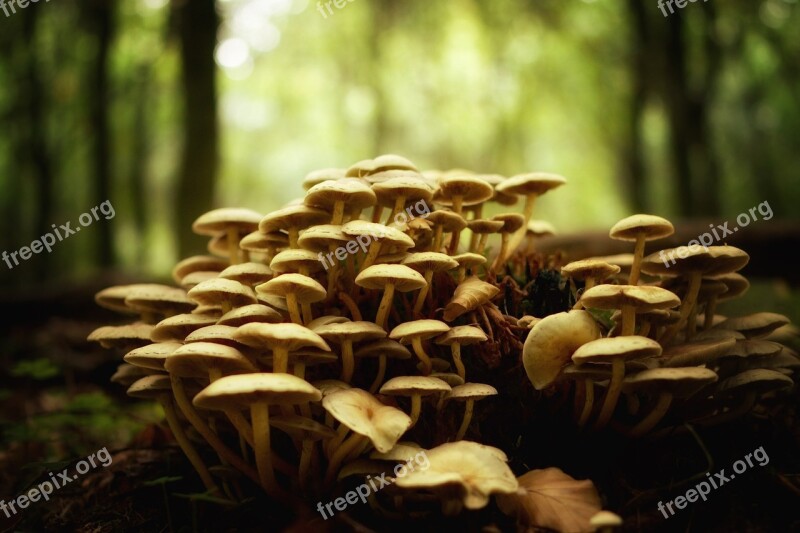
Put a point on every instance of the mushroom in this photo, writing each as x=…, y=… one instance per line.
x=629, y=299
x=755, y=326
x=669, y=383
x=398, y=191
x=326, y=238
x=264, y=244
x=195, y=263
x=534, y=230
x=281, y=339
x=308, y=431
x=512, y=222
x=614, y=350
x=414, y=387
x=125, y=337
x=345, y=334
x=383, y=349
x=484, y=228
x=232, y=222
x=457, y=191
x=531, y=186
x=736, y=284
x=223, y=292
x=335, y=194
x=324, y=174
x=427, y=263
x=257, y=392
x=605, y=522
x=585, y=376
x=297, y=289
x=249, y=274
x=250, y=313
x=466, y=263
x=176, y=328
x=389, y=278
x=747, y=386
x=152, y=301
x=469, y=393
x=378, y=235
x=461, y=336
x=292, y=219
x=444, y=221
x=640, y=229
x=417, y=331
x=590, y=271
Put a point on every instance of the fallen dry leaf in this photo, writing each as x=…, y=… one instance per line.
x=470, y=294
x=551, y=499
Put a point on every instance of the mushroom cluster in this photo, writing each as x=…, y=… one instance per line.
x=359, y=325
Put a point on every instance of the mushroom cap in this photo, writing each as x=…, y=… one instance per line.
x=320, y=238
x=754, y=348
x=249, y=274
x=113, y=298
x=327, y=386
x=448, y=377
x=422, y=329
x=364, y=414
x=401, y=452
x=650, y=226
x=216, y=291
x=414, y=385
x=551, y=343
x=351, y=331
x=758, y=379
x=681, y=382
x=430, y=261
x=257, y=241
x=470, y=189
x=128, y=336
x=302, y=427
x=470, y=294
x=471, y=391
x=196, y=359
x=469, y=259
x=250, y=313
x=151, y=356
x=288, y=335
x=697, y=352
x=378, y=232
x=641, y=297
x=353, y=191
x=242, y=390
x=736, y=283
x=324, y=174
x=536, y=183
x=312, y=357
x=756, y=325
x=219, y=220
x=190, y=281
x=589, y=268
x=296, y=216
x=389, y=348
x=711, y=261
x=511, y=222
x=411, y=187
x=540, y=228
x=608, y=349
x=484, y=225
x=360, y=168
x=499, y=197
x=306, y=289
x=448, y=220
x=478, y=470
x=150, y=387
x=463, y=335
x=326, y=319
x=158, y=299
x=402, y=277
x=195, y=263
x=217, y=333
x=176, y=328
x=605, y=519
x=387, y=162
x=126, y=374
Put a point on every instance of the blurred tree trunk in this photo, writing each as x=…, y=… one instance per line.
x=197, y=27
x=99, y=15
x=634, y=161
x=140, y=156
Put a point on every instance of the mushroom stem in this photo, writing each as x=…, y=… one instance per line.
x=588, y=403
x=500, y=259
x=380, y=375
x=416, y=409
x=348, y=361
x=482, y=243
x=294, y=234
x=437, y=238
x=377, y=212
x=294, y=309
x=423, y=292
x=628, y=320
x=399, y=204
x=587, y=284
x=427, y=366
x=233, y=245
x=355, y=312
x=227, y=307
x=186, y=445
x=462, y=273
x=527, y=212
x=308, y=315
x=455, y=237
x=259, y=412
x=612, y=395
x=353, y=441
x=236, y=417
x=372, y=254
x=338, y=213
x=638, y=253
x=280, y=360
x=466, y=420
x=333, y=276
x=306, y=455
x=654, y=416
x=385, y=306
x=695, y=278
x=711, y=308
x=455, y=350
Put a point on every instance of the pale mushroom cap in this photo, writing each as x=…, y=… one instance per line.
x=127, y=374
x=540, y=228
x=352, y=331
x=327, y=386
x=151, y=356
x=176, y=328
x=411, y=385
x=424, y=329
x=470, y=294
x=364, y=414
x=386, y=347
x=469, y=259
x=608, y=349
x=472, y=190
x=401, y=452
x=354, y=192
x=758, y=379
x=219, y=220
x=247, y=273
x=217, y=333
x=736, y=283
x=288, y=335
x=216, y=291
x=551, y=343
x=533, y=183
x=378, y=232
x=360, y=168
x=714, y=261
x=651, y=226
x=158, y=299
x=448, y=377
x=411, y=187
x=479, y=471
x=326, y=319
x=681, y=382
x=321, y=237
x=194, y=360
x=756, y=325
x=754, y=348
x=511, y=222
x=471, y=391
x=129, y=335
x=385, y=162
x=113, y=298
x=483, y=225
x=449, y=220
x=642, y=297
x=464, y=335
x=324, y=174
x=697, y=352
x=244, y=390
x=306, y=289
x=250, y=313
x=402, y=277
x=435, y=261
x=257, y=241
x=589, y=268
x=296, y=216
x=150, y=387
x=195, y=263
x=605, y=519
x=192, y=280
